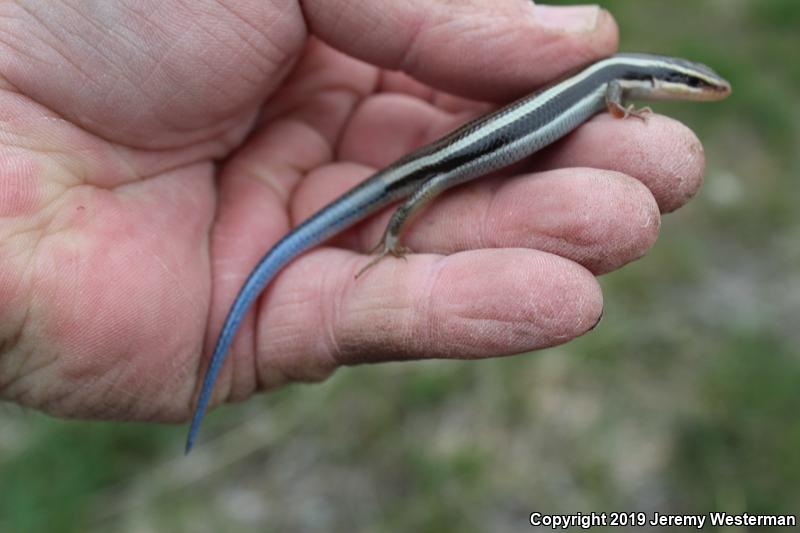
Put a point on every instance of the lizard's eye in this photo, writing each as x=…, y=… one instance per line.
x=676, y=78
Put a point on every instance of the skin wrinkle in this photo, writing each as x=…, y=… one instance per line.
x=11, y=291
x=21, y=50
x=357, y=104
x=407, y=59
x=112, y=393
x=331, y=316
x=311, y=11
x=276, y=333
x=478, y=328
x=487, y=335
x=266, y=176
x=286, y=196
x=27, y=372
x=108, y=327
x=33, y=286
x=158, y=68
x=284, y=53
x=382, y=107
x=96, y=46
x=176, y=277
x=319, y=296
x=22, y=396
x=43, y=25
x=537, y=230
x=426, y=309
x=103, y=383
x=387, y=318
x=12, y=346
x=324, y=62
x=687, y=186
x=629, y=244
x=400, y=83
x=374, y=26
x=487, y=220
x=108, y=388
x=583, y=325
x=397, y=82
x=277, y=64
x=324, y=99
x=124, y=74
x=295, y=97
x=144, y=17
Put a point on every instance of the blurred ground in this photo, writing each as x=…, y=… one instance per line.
x=684, y=399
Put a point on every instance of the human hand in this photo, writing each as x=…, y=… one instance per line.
x=124, y=243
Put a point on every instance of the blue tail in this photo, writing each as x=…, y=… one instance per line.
x=341, y=214
x=255, y=283
x=279, y=256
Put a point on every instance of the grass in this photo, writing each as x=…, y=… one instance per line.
x=684, y=399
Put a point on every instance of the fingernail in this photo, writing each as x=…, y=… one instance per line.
x=570, y=19
x=602, y=311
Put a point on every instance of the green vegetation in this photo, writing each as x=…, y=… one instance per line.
x=684, y=399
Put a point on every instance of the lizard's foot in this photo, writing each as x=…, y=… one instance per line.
x=388, y=246
x=624, y=112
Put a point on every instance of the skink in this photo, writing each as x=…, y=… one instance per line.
x=485, y=144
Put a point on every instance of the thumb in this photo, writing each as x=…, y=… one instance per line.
x=485, y=50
